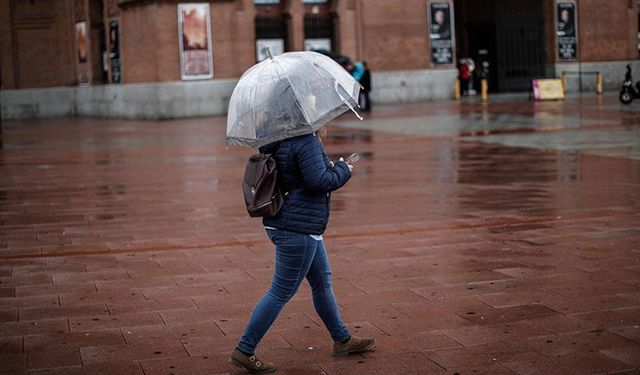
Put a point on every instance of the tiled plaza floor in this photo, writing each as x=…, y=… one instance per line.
x=472, y=239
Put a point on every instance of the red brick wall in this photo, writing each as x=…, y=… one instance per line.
x=40, y=42
x=6, y=48
x=394, y=34
x=606, y=30
x=233, y=32
x=139, y=44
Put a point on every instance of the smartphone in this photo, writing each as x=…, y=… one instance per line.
x=352, y=159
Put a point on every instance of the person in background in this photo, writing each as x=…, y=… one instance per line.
x=365, y=81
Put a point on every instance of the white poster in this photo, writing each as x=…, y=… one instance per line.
x=317, y=44
x=194, y=31
x=275, y=45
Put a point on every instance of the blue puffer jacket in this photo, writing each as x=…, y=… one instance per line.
x=305, y=173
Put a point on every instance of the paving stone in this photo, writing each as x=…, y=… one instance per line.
x=477, y=335
x=14, y=363
x=407, y=343
x=497, y=353
x=407, y=363
x=43, y=342
x=587, y=342
x=186, y=291
x=8, y=315
x=124, y=353
x=53, y=357
x=172, y=317
x=628, y=354
x=6, y=292
x=507, y=314
x=37, y=313
x=41, y=290
x=99, y=322
x=210, y=364
x=66, y=278
x=29, y=279
x=203, y=345
x=34, y=327
x=151, y=305
x=95, y=369
x=98, y=297
x=590, y=304
x=110, y=286
x=32, y=301
x=182, y=331
x=11, y=344
x=575, y=363
x=629, y=332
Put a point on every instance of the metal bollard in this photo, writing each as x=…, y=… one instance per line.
x=456, y=90
x=484, y=89
x=564, y=82
x=599, y=84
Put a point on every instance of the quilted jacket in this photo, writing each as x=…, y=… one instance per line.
x=307, y=177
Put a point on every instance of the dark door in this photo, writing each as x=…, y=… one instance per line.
x=521, y=53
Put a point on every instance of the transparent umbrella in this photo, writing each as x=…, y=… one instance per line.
x=288, y=95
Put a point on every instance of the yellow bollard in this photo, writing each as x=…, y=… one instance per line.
x=564, y=82
x=599, y=84
x=456, y=90
x=484, y=88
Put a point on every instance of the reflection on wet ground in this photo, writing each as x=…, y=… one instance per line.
x=556, y=125
x=497, y=238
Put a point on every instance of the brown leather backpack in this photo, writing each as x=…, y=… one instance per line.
x=262, y=194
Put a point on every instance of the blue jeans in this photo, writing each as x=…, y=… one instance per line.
x=297, y=256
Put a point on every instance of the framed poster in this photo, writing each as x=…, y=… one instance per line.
x=114, y=52
x=194, y=36
x=275, y=45
x=440, y=33
x=316, y=44
x=566, y=30
x=82, y=47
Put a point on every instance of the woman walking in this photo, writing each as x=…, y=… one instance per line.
x=308, y=177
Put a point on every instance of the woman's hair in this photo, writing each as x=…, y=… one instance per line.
x=321, y=133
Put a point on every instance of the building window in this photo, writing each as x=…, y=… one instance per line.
x=266, y=2
x=270, y=32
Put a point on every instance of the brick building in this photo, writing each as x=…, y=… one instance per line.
x=67, y=43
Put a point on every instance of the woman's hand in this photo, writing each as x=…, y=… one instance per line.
x=348, y=165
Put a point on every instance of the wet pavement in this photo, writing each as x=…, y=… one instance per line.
x=497, y=239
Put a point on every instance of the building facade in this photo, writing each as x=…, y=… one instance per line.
x=92, y=43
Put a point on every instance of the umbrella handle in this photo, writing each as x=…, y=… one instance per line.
x=336, y=85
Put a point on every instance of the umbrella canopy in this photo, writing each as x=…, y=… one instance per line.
x=288, y=95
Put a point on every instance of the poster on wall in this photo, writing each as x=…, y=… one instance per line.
x=194, y=31
x=566, y=30
x=114, y=52
x=275, y=45
x=440, y=33
x=317, y=44
x=82, y=46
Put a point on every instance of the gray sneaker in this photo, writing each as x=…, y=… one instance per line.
x=251, y=364
x=354, y=345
